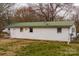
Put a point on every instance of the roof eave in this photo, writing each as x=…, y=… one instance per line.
x=40, y=26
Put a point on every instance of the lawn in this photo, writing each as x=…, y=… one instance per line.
x=25, y=47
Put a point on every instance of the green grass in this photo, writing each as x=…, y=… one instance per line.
x=16, y=47
x=47, y=49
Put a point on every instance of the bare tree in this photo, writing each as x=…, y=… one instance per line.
x=4, y=13
x=24, y=14
x=75, y=17
x=49, y=11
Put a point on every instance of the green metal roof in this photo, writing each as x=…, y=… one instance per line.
x=43, y=24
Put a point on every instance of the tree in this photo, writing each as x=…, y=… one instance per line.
x=24, y=14
x=49, y=11
x=75, y=17
x=4, y=14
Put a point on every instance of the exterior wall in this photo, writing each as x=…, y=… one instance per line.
x=41, y=33
x=6, y=30
x=73, y=32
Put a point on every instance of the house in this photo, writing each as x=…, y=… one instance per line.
x=56, y=30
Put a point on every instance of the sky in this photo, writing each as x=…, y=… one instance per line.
x=76, y=4
x=23, y=4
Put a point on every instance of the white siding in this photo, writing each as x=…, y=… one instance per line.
x=74, y=33
x=41, y=33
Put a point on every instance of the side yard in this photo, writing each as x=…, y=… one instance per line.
x=25, y=47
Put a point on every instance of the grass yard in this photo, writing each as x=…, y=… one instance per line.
x=21, y=47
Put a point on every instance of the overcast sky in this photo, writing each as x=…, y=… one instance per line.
x=23, y=4
x=76, y=4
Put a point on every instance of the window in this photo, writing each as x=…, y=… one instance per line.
x=59, y=30
x=21, y=29
x=31, y=29
x=73, y=30
x=8, y=28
